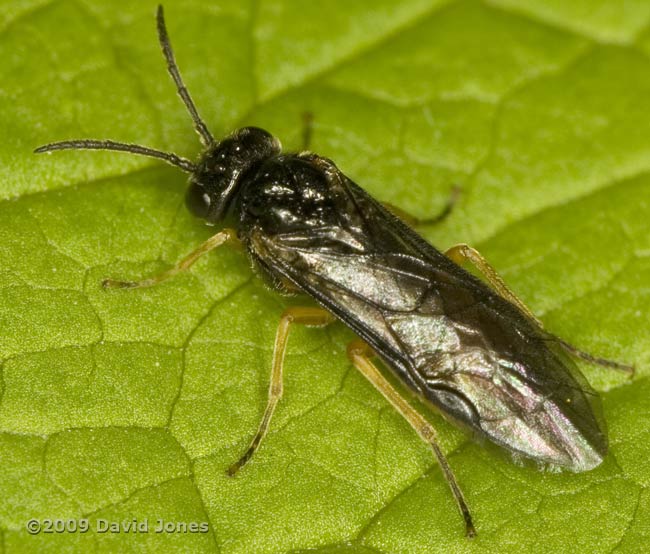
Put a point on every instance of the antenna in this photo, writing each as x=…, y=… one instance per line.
x=186, y=165
x=91, y=144
x=206, y=137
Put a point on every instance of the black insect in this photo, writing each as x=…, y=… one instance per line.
x=474, y=352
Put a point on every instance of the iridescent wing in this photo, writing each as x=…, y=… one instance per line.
x=445, y=333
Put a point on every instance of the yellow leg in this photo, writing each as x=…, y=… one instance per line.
x=359, y=353
x=302, y=316
x=210, y=244
x=462, y=252
x=413, y=221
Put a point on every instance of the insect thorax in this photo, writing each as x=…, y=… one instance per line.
x=288, y=194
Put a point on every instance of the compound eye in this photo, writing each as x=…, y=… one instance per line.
x=197, y=200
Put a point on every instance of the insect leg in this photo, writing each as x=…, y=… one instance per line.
x=300, y=315
x=590, y=358
x=462, y=252
x=359, y=353
x=439, y=218
x=213, y=242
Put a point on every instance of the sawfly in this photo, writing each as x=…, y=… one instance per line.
x=473, y=351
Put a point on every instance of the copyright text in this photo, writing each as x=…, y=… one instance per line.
x=36, y=526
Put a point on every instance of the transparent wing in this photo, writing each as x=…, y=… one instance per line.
x=446, y=334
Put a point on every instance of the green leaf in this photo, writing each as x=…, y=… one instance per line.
x=127, y=405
